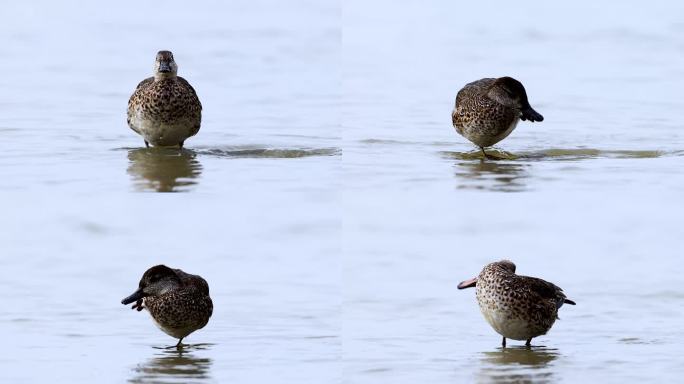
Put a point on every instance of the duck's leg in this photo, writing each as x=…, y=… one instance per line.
x=503, y=343
x=484, y=154
x=179, y=345
x=529, y=342
x=147, y=145
x=180, y=145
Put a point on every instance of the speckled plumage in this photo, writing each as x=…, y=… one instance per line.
x=178, y=302
x=487, y=110
x=517, y=307
x=165, y=109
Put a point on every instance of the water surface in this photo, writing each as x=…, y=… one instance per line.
x=588, y=199
x=256, y=211
x=328, y=201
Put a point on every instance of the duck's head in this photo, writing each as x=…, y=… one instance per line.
x=510, y=92
x=505, y=265
x=164, y=66
x=156, y=281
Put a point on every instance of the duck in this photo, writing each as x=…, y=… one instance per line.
x=178, y=302
x=486, y=111
x=517, y=307
x=164, y=109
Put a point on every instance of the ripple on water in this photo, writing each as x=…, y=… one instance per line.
x=510, y=172
x=558, y=154
x=637, y=340
x=271, y=153
x=168, y=169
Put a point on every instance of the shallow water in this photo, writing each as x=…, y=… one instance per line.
x=328, y=201
x=588, y=199
x=256, y=212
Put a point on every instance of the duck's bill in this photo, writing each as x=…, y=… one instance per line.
x=137, y=295
x=467, y=283
x=531, y=115
x=164, y=67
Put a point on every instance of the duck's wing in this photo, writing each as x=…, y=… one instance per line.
x=472, y=97
x=144, y=83
x=187, y=84
x=475, y=92
x=194, y=106
x=190, y=280
x=136, y=99
x=545, y=290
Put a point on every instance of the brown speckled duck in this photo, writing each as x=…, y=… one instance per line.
x=164, y=109
x=178, y=302
x=517, y=307
x=487, y=110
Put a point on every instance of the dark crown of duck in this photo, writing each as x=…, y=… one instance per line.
x=510, y=92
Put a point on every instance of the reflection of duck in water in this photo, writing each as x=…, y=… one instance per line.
x=173, y=366
x=522, y=356
x=163, y=169
x=495, y=176
x=518, y=365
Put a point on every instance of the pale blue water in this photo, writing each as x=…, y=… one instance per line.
x=328, y=201
x=260, y=220
x=591, y=204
